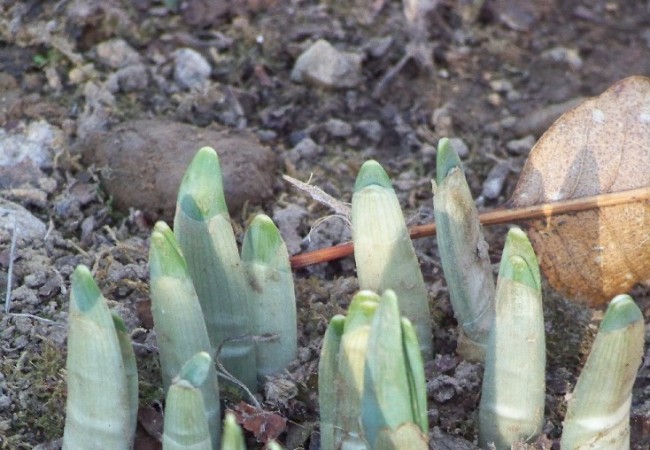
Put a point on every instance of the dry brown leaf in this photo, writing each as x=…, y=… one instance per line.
x=602, y=146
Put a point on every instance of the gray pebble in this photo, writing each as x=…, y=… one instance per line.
x=459, y=147
x=371, y=129
x=306, y=149
x=36, y=279
x=338, y=128
x=288, y=221
x=496, y=178
x=191, y=69
x=117, y=53
x=28, y=226
x=324, y=66
x=5, y=402
x=129, y=79
x=378, y=46
x=521, y=146
x=23, y=325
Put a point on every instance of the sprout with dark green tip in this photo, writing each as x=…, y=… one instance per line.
x=178, y=319
x=202, y=226
x=371, y=384
x=266, y=263
x=512, y=399
x=186, y=425
x=101, y=395
x=464, y=254
x=598, y=411
x=383, y=250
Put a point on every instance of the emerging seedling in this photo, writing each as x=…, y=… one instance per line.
x=384, y=252
x=464, y=254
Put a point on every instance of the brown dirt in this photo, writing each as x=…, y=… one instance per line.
x=496, y=76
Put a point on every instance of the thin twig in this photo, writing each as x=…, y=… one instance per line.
x=223, y=372
x=12, y=251
x=499, y=216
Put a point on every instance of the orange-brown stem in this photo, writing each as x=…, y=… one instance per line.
x=498, y=216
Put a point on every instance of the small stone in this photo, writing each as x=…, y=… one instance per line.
x=36, y=279
x=460, y=147
x=288, y=221
x=191, y=69
x=306, y=149
x=371, y=129
x=496, y=178
x=129, y=79
x=338, y=128
x=442, y=121
x=29, y=227
x=569, y=56
x=31, y=144
x=23, y=325
x=521, y=146
x=501, y=85
x=324, y=66
x=378, y=46
x=117, y=53
x=5, y=402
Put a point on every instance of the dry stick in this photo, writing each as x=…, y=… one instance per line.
x=499, y=216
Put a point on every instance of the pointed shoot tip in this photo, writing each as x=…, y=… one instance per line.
x=201, y=194
x=621, y=312
x=262, y=241
x=196, y=370
x=372, y=174
x=446, y=160
x=85, y=292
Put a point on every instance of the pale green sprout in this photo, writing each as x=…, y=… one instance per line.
x=598, y=412
x=102, y=390
x=178, y=319
x=383, y=250
x=266, y=263
x=233, y=437
x=202, y=226
x=186, y=425
x=464, y=254
x=371, y=379
x=512, y=399
x=394, y=401
x=130, y=366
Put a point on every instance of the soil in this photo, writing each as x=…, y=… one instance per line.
x=494, y=74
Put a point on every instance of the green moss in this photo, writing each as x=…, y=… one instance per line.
x=38, y=415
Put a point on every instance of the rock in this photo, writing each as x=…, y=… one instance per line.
x=116, y=53
x=496, y=178
x=460, y=147
x=371, y=129
x=338, y=128
x=97, y=110
x=128, y=79
x=324, y=66
x=191, y=69
x=569, y=56
x=521, y=146
x=538, y=121
x=304, y=150
x=142, y=162
x=25, y=151
x=288, y=220
x=378, y=46
x=29, y=227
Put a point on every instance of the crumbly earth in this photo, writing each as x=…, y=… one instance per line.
x=492, y=76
